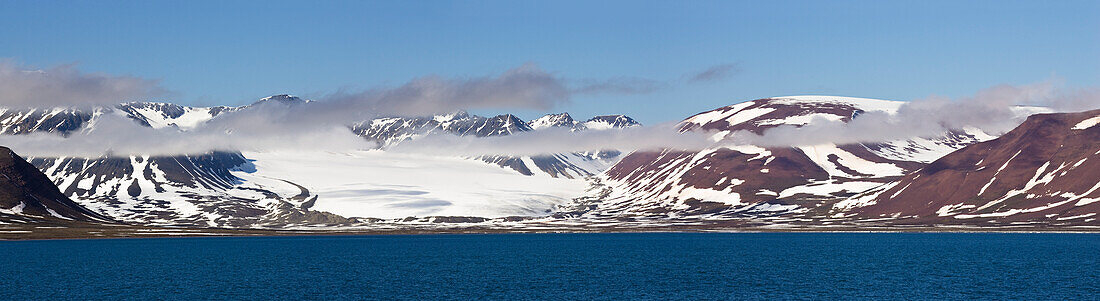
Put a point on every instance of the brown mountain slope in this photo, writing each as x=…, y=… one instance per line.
x=1047, y=171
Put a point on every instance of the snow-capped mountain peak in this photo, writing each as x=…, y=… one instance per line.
x=866, y=104
x=161, y=115
x=610, y=122
x=760, y=114
x=282, y=99
x=595, y=123
x=553, y=120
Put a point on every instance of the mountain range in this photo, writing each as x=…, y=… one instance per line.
x=1038, y=174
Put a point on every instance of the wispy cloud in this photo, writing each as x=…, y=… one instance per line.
x=618, y=85
x=524, y=87
x=713, y=73
x=65, y=85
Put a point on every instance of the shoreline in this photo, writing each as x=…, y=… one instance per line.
x=138, y=232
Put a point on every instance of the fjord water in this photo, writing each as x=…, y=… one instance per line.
x=762, y=266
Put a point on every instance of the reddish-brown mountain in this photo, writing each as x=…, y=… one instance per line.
x=1047, y=171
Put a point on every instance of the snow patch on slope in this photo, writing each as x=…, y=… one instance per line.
x=1087, y=123
x=823, y=155
x=866, y=104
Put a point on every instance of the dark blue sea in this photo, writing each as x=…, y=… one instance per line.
x=683, y=266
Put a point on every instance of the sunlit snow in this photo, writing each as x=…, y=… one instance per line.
x=390, y=185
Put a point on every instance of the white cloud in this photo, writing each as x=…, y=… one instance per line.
x=64, y=86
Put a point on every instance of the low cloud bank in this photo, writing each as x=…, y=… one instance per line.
x=119, y=136
x=559, y=140
x=994, y=110
x=65, y=86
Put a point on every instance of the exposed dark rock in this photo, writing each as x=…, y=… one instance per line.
x=25, y=190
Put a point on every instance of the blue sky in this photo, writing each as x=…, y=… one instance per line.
x=217, y=52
